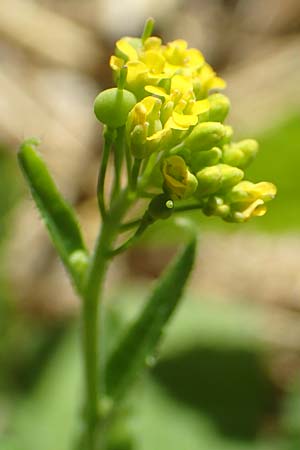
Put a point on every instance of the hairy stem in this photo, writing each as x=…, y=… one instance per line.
x=94, y=372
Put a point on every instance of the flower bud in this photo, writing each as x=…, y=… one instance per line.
x=112, y=106
x=205, y=136
x=79, y=261
x=160, y=207
x=205, y=158
x=247, y=192
x=227, y=135
x=215, y=206
x=138, y=141
x=255, y=209
x=217, y=178
x=240, y=154
x=179, y=182
x=219, y=107
x=145, y=134
x=248, y=200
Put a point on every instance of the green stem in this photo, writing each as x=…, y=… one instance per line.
x=147, y=170
x=184, y=208
x=95, y=389
x=108, y=140
x=128, y=225
x=135, y=173
x=118, y=159
x=134, y=223
x=142, y=227
x=128, y=159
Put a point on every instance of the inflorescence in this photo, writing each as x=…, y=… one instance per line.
x=168, y=104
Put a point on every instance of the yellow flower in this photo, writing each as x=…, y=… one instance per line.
x=145, y=133
x=180, y=110
x=145, y=63
x=181, y=59
x=248, y=200
x=150, y=62
x=179, y=182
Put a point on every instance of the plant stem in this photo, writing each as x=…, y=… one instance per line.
x=95, y=389
x=118, y=159
x=108, y=140
x=135, y=173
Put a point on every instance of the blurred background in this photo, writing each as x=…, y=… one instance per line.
x=227, y=375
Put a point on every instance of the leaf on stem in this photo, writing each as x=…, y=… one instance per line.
x=57, y=214
x=140, y=340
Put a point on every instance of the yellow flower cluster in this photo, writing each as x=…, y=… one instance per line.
x=178, y=119
x=150, y=63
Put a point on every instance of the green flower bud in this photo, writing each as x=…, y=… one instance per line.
x=166, y=111
x=240, y=154
x=217, y=178
x=209, y=180
x=205, y=136
x=112, y=106
x=215, y=206
x=227, y=136
x=79, y=261
x=219, y=107
x=138, y=141
x=206, y=158
x=160, y=207
x=179, y=182
x=230, y=176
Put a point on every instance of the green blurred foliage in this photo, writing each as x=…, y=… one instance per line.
x=279, y=161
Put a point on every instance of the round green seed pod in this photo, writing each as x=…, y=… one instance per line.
x=113, y=105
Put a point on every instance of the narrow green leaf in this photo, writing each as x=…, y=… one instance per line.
x=140, y=340
x=57, y=214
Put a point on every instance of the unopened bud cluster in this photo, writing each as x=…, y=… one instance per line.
x=173, y=119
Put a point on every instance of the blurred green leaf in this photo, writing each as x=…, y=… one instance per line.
x=57, y=214
x=160, y=422
x=49, y=417
x=143, y=335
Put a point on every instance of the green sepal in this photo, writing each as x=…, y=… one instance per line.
x=141, y=338
x=57, y=214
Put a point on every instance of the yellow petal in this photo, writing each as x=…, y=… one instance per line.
x=181, y=83
x=153, y=60
x=158, y=135
x=152, y=43
x=255, y=209
x=116, y=63
x=200, y=106
x=185, y=120
x=160, y=92
x=135, y=70
x=178, y=43
x=171, y=124
x=194, y=58
x=217, y=83
x=150, y=103
x=124, y=47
